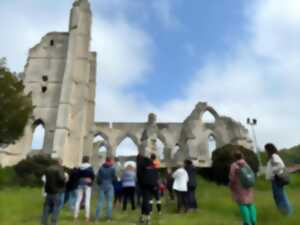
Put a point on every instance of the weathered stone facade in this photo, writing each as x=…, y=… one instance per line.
x=181, y=140
x=61, y=74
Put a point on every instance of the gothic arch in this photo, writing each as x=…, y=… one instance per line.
x=212, y=143
x=133, y=137
x=123, y=144
x=161, y=148
x=104, y=136
x=38, y=135
x=38, y=122
x=212, y=112
x=162, y=138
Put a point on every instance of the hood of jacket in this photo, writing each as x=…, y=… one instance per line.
x=85, y=166
x=107, y=165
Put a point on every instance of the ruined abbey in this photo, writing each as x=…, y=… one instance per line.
x=61, y=75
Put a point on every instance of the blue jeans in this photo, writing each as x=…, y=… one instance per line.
x=61, y=200
x=108, y=195
x=51, y=206
x=281, y=198
x=71, y=197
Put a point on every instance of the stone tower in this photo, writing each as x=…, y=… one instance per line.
x=61, y=74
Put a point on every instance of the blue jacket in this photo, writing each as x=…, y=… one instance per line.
x=106, y=176
x=128, y=178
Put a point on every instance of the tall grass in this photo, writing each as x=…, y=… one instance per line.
x=23, y=206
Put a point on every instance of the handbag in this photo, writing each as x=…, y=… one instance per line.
x=283, y=178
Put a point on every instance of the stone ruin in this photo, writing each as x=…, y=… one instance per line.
x=61, y=75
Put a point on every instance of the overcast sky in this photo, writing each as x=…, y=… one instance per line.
x=164, y=56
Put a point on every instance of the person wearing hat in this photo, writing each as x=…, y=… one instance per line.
x=105, y=178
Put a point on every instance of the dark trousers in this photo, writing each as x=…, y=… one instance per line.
x=139, y=195
x=128, y=194
x=148, y=194
x=51, y=206
x=171, y=192
x=182, y=200
x=191, y=198
x=118, y=197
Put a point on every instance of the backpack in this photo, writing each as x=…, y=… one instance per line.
x=247, y=176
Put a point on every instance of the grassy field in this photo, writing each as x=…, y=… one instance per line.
x=23, y=206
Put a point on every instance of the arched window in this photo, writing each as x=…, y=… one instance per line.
x=175, y=150
x=100, y=146
x=102, y=151
x=127, y=148
x=160, y=146
x=212, y=144
x=98, y=138
x=38, y=136
x=208, y=117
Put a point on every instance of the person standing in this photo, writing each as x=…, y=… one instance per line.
x=72, y=188
x=128, y=186
x=192, y=184
x=275, y=169
x=150, y=189
x=117, y=184
x=54, y=185
x=140, y=159
x=86, y=177
x=105, y=178
x=169, y=183
x=243, y=196
x=180, y=186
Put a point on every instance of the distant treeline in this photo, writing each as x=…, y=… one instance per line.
x=291, y=156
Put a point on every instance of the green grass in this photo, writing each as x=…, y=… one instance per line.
x=23, y=206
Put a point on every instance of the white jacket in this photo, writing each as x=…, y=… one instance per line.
x=275, y=166
x=181, y=179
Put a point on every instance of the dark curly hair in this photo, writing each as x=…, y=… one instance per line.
x=270, y=149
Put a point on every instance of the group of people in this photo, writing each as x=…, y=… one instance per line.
x=142, y=184
x=243, y=192
x=182, y=181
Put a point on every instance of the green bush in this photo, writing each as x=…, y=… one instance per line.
x=29, y=171
x=222, y=159
x=7, y=177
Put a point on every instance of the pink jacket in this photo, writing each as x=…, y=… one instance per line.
x=240, y=194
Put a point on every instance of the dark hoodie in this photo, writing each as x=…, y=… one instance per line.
x=140, y=167
x=150, y=174
x=106, y=175
x=86, y=174
x=55, y=179
x=191, y=170
x=73, y=180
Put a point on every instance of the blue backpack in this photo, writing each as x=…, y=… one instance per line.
x=247, y=176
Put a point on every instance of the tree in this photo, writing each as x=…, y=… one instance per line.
x=15, y=106
x=222, y=159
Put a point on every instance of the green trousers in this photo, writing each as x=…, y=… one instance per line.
x=248, y=212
